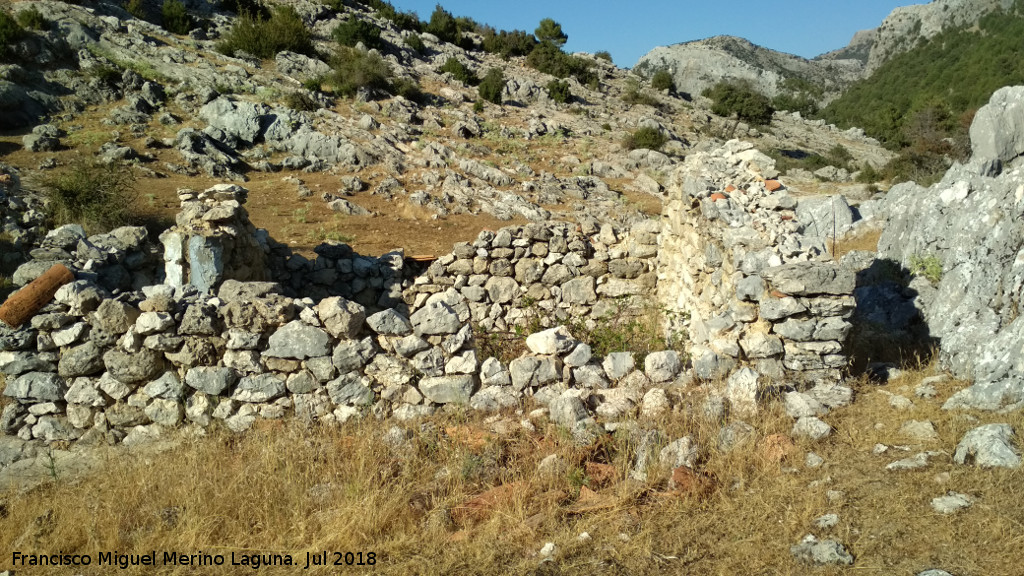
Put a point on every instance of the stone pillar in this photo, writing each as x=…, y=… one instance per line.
x=213, y=240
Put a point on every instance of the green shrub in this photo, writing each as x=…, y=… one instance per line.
x=264, y=38
x=175, y=17
x=550, y=31
x=603, y=55
x=868, y=174
x=136, y=8
x=739, y=99
x=408, y=89
x=354, y=30
x=443, y=25
x=547, y=58
x=634, y=96
x=301, y=101
x=606, y=127
x=355, y=70
x=492, y=85
x=798, y=102
x=10, y=32
x=98, y=196
x=33, y=18
x=509, y=44
x=252, y=8
x=645, y=137
x=108, y=75
x=458, y=71
x=416, y=43
x=930, y=267
x=558, y=90
x=662, y=80
x=478, y=106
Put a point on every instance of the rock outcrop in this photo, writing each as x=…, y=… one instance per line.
x=970, y=227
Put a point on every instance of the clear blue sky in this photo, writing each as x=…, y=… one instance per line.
x=630, y=29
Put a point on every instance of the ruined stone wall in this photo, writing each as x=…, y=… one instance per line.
x=97, y=367
x=739, y=275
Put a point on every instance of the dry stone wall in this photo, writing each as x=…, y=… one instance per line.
x=743, y=279
x=204, y=347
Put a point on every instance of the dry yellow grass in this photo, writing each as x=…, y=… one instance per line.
x=435, y=508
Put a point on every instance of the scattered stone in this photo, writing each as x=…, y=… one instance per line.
x=821, y=553
x=952, y=502
x=989, y=446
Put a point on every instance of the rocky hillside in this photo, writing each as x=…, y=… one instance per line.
x=701, y=64
x=369, y=166
x=906, y=26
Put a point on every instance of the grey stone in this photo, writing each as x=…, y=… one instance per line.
x=168, y=387
x=743, y=391
x=567, y=410
x=988, y=446
x=553, y=341
x=759, y=345
x=681, y=452
x=799, y=405
x=919, y=430
x=84, y=391
x=826, y=217
x=82, y=360
x=436, y=318
x=826, y=521
x=211, y=380
x=389, y=322
x=259, y=388
x=448, y=389
x=952, y=502
x=811, y=428
x=350, y=389
x=16, y=363
x=165, y=412
x=37, y=387
x=298, y=340
x=579, y=356
x=133, y=368
x=206, y=262
x=533, y=371
x=821, y=553
x=115, y=317
x=502, y=290
x=618, y=364
x=579, y=291
x=810, y=278
x=353, y=354
x=662, y=366
x=153, y=322
x=997, y=126
x=750, y=289
x=494, y=373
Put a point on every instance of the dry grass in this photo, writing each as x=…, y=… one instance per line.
x=866, y=240
x=467, y=499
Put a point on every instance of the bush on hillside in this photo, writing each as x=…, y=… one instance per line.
x=253, y=8
x=355, y=70
x=443, y=25
x=98, y=196
x=10, y=32
x=558, y=90
x=416, y=43
x=136, y=8
x=741, y=100
x=409, y=89
x=645, y=137
x=603, y=55
x=175, y=17
x=508, y=44
x=264, y=38
x=547, y=58
x=301, y=101
x=401, y=20
x=492, y=85
x=458, y=71
x=662, y=80
x=355, y=30
x=33, y=19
